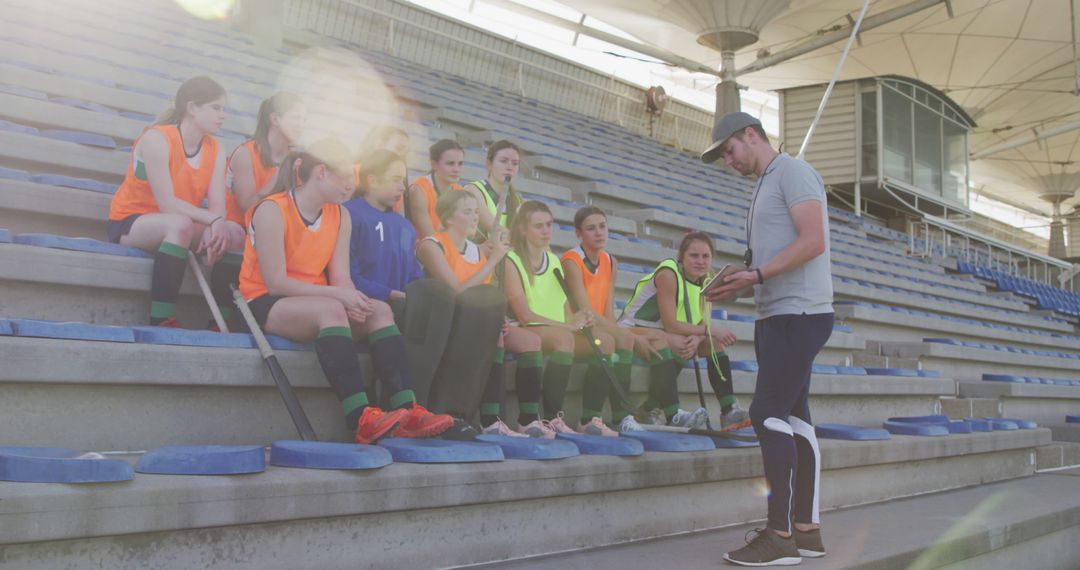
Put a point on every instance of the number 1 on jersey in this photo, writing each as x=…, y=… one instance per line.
x=379, y=228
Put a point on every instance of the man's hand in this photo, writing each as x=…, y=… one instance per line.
x=732, y=285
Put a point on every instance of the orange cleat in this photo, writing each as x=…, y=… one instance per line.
x=170, y=323
x=375, y=423
x=418, y=422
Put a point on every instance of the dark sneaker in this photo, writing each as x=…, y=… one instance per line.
x=460, y=431
x=809, y=543
x=765, y=549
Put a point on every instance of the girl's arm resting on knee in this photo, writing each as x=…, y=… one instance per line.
x=154, y=150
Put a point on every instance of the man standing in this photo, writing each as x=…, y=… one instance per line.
x=787, y=264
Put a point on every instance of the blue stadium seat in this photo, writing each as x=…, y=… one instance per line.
x=79, y=244
x=6, y=327
x=1072, y=419
x=87, y=105
x=185, y=337
x=280, y=343
x=851, y=370
x=671, y=442
x=1002, y=425
x=902, y=372
x=17, y=128
x=60, y=465
x=22, y=91
x=725, y=443
x=600, y=445
x=72, y=182
x=531, y=448
x=927, y=430
x=822, y=369
x=203, y=460
x=1003, y=378
x=1022, y=424
x=5, y=236
x=71, y=331
x=850, y=433
x=440, y=451
x=13, y=174
x=90, y=139
x=328, y=455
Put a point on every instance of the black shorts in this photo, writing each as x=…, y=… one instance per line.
x=260, y=307
x=117, y=229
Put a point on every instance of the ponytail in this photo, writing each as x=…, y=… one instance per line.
x=199, y=90
x=280, y=103
x=296, y=169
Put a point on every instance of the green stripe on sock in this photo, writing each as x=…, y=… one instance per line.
x=401, y=398
x=232, y=258
x=385, y=332
x=489, y=409
x=587, y=415
x=671, y=410
x=162, y=310
x=500, y=355
x=173, y=250
x=530, y=360
x=354, y=402
x=682, y=363
x=624, y=356
x=336, y=331
x=558, y=357
x=728, y=400
x=619, y=415
x=666, y=354
x=529, y=407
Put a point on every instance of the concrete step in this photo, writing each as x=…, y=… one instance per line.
x=1065, y=432
x=875, y=361
x=968, y=364
x=1042, y=403
x=150, y=393
x=960, y=408
x=1012, y=524
x=1057, y=455
x=291, y=518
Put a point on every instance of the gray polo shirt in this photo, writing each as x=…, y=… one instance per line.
x=806, y=289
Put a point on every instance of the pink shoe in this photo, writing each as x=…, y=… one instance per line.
x=540, y=429
x=559, y=425
x=596, y=426
x=499, y=428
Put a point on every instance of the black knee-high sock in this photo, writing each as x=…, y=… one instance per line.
x=225, y=272
x=491, y=401
x=527, y=386
x=594, y=390
x=337, y=357
x=663, y=382
x=556, y=379
x=170, y=261
x=722, y=385
x=624, y=366
x=391, y=363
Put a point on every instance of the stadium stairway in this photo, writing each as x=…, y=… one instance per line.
x=113, y=390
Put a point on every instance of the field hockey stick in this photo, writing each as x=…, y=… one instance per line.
x=207, y=294
x=624, y=400
x=697, y=365
x=292, y=404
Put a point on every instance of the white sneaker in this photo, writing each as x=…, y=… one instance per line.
x=696, y=419
x=630, y=424
x=736, y=416
x=498, y=427
x=656, y=417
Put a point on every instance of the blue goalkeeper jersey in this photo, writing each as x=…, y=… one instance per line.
x=382, y=250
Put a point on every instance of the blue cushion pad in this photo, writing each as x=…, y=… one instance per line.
x=59, y=465
x=850, y=433
x=72, y=182
x=1003, y=378
x=657, y=441
x=600, y=445
x=71, y=331
x=328, y=455
x=901, y=428
x=5, y=236
x=80, y=244
x=724, y=443
x=184, y=337
x=934, y=419
x=904, y=372
x=90, y=139
x=13, y=174
x=440, y=451
x=531, y=448
x=281, y=343
x=203, y=460
x=1072, y=419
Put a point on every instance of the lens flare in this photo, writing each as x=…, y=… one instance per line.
x=761, y=488
x=345, y=97
x=208, y=9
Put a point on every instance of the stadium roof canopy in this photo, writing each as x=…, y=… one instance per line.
x=1011, y=64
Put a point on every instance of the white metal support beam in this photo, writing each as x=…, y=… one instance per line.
x=1038, y=135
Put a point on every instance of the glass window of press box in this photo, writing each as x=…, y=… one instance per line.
x=915, y=136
